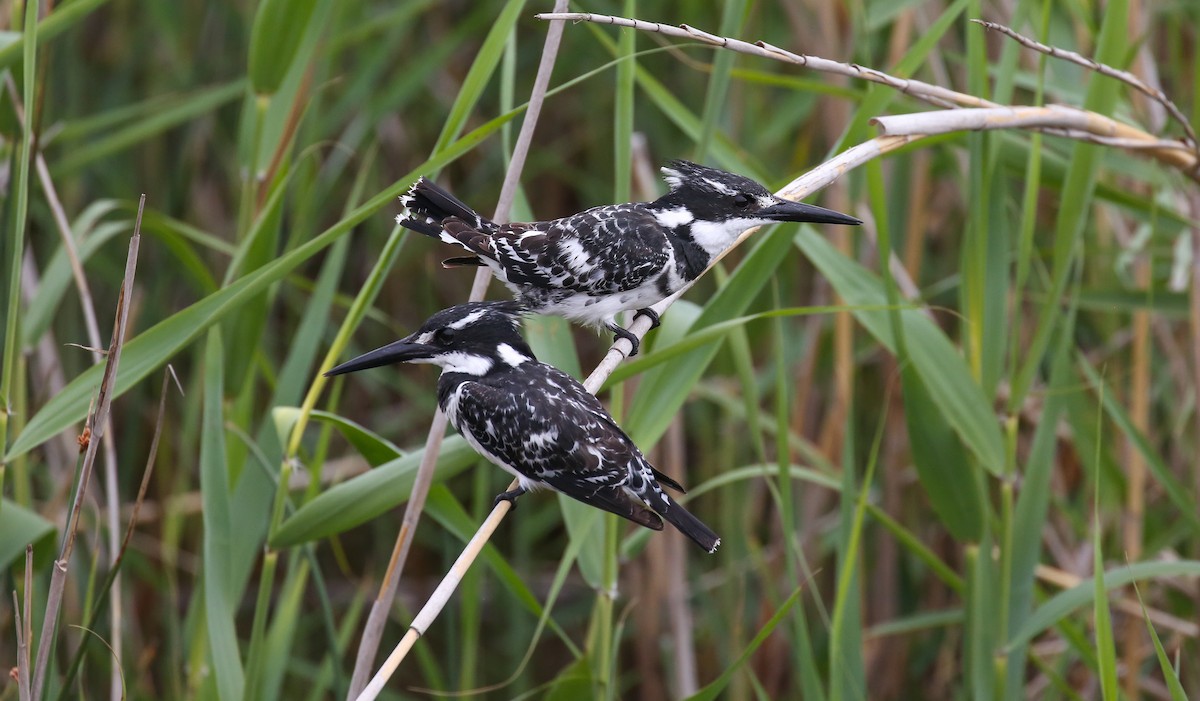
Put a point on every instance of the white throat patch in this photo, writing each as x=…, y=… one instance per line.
x=715, y=237
x=466, y=363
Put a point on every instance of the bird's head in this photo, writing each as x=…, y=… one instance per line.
x=470, y=338
x=714, y=207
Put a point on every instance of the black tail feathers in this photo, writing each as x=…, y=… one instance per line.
x=428, y=205
x=690, y=526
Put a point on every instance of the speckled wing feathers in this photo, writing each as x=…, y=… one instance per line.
x=600, y=251
x=603, y=250
x=535, y=421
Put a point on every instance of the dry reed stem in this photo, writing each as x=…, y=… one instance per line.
x=96, y=423
x=1060, y=120
x=112, y=501
x=22, y=668
x=377, y=618
x=1132, y=522
x=1179, y=155
x=1193, y=201
x=1124, y=76
x=24, y=626
x=926, y=92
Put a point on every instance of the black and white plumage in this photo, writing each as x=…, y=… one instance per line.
x=590, y=266
x=532, y=419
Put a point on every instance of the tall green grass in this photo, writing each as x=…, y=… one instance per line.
x=924, y=500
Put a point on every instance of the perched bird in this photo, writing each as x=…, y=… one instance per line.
x=590, y=266
x=532, y=419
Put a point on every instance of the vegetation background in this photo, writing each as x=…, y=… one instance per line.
x=914, y=497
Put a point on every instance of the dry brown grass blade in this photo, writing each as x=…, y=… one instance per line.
x=23, y=619
x=151, y=458
x=381, y=606
x=94, y=427
x=22, y=668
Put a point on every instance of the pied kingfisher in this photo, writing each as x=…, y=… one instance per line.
x=532, y=419
x=590, y=266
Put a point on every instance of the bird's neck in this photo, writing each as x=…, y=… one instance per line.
x=690, y=255
x=468, y=366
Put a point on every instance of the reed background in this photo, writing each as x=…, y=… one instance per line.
x=904, y=515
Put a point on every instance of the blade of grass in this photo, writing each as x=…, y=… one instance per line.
x=21, y=527
x=846, y=672
x=20, y=209
x=1032, y=506
x=151, y=348
x=220, y=606
x=1106, y=649
x=185, y=110
x=733, y=17
x=1174, y=686
x=480, y=73
x=1064, y=603
x=945, y=373
x=713, y=690
x=94, y=430
x=1174, y=489
x=1077, y=188
x=63, y=18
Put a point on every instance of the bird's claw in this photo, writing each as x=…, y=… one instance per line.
x=509, y=496
x=628, y=335
x=651, y=315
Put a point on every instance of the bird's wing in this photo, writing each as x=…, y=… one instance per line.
x=589, y=403
x=600, y=251
x=541, y=423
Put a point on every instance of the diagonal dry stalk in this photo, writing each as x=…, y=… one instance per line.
x=95, y=426
x=964, y=112
x=1078, y=59
x=109, y=583
x=382, y=605
x=1170, y=153
x=935, y=95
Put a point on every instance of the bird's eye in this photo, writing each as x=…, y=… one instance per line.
x=444, y=335
x=741, y=201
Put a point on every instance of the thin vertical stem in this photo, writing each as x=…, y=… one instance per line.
x=373, y=631
x=95, y=429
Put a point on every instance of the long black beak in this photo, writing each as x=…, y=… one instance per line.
x=786, y=210
x=397, y=352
